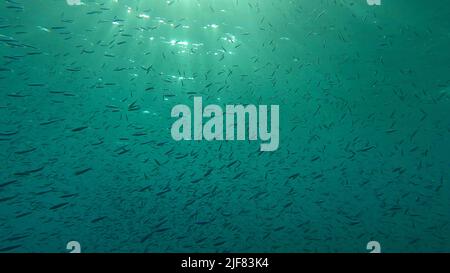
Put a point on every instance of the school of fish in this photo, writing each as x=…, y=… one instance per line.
x=86, y=152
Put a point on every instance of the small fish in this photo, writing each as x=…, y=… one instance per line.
x=366, y=149
x=24, y=173
x=77, y=173
x=69, y=195
x=78, y=129
x=7, y=198
x=25, y=151
x=50, y=122
x=9, y=248
x=59, y=206
x=8, y=183
x=98, y=219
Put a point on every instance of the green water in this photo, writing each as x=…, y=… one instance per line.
x=87, y=154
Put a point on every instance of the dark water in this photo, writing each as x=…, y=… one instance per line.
x=87, y=155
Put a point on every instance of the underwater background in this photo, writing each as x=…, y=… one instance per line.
x=86, y=152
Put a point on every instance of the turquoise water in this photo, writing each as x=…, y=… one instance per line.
x=87, y=154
